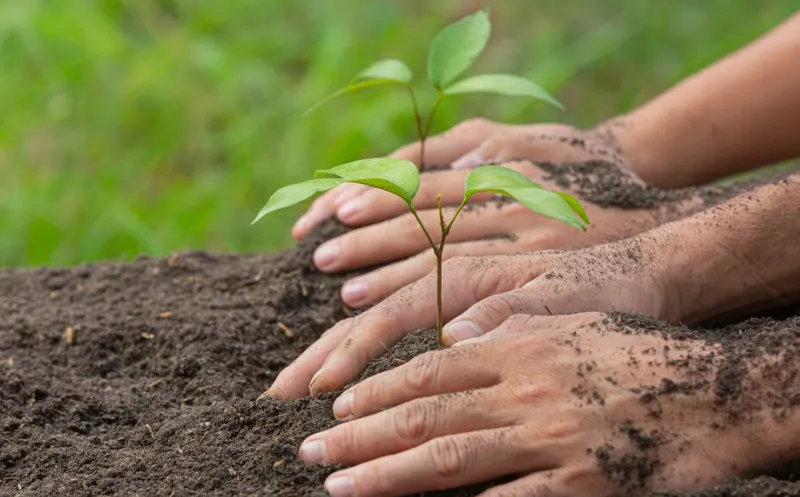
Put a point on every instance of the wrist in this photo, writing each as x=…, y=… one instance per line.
x=627, y=135
x=737, y=256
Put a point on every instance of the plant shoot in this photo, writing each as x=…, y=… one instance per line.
x=452, y=52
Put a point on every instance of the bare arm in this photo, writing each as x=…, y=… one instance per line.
x=742, y=112
x=737, y=255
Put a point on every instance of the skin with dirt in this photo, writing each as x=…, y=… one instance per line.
x=141, y=378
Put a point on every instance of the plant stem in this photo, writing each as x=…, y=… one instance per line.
x=420, y=130
x=439, y=253
x=426, y=131
x=458, y=211
x=424, y=230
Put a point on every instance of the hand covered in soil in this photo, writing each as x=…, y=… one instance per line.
x=467, y=145
x=479, y=293
x=585, y=406
x=390, y=236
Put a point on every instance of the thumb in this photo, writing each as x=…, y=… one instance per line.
x=466, y=280
x=492, y=312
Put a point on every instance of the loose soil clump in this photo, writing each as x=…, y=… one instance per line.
x=141, y=378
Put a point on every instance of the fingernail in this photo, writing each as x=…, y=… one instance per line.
x=354, y=292
x=312, y=452
x=462, y=330
x=468, y=161
x=340, y=486
x=314, y=379
x=300, y=225
x=350, y=209
x=469, y=341
x=343, y=406
x=326, y=254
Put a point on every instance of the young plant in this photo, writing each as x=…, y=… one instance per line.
x=452, y=52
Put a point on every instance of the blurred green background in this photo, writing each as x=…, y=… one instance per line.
x=147, y=126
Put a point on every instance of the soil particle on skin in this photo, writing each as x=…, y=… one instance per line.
x=609, y=185
x=758, y=487
x=141, y=378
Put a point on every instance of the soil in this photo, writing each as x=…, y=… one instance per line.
x=140, y=378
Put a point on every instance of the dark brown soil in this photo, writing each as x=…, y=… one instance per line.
x=141, y=378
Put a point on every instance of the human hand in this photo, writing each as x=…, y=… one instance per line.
x=479, y=293
x=579, y=405
x=467, y=145
x=400, y=247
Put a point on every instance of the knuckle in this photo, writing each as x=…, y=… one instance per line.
x=415, y=421
x=499, y=306
x=456, y=262
x=447, y=458
x=531, y=393
x=422, y=371
x=560, y=429
x=518, y=322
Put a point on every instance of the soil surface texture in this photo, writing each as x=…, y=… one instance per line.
x=141, y=378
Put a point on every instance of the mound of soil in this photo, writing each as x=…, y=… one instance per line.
x=141, y=378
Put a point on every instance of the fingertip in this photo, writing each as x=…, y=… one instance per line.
x=355, y=293
x=300, y=228
x=350, y=209
x=469, y=161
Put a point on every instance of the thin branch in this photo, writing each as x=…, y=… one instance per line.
x=424, y=229
x=458, y=211
x=435, y=106
x=420, y=130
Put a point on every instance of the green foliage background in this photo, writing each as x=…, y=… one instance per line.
x=147, y=126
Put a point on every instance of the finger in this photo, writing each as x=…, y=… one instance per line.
x=442, y=149
x=323, y=208
x=402, y=237
x=560, y=482
x=555, y=148
x=380, y=283
x=464, y=282
x=444, y=462
x=403, y=427
x=433, y=373
x=292, y=382
x=525, y=323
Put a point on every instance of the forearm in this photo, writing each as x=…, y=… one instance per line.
x=771, y=387
x=740, y=113
x=742, y=254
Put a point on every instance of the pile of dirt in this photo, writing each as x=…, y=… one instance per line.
x=141, y=378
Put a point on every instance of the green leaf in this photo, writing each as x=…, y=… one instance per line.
x=488, y=177
x=504, y=181
x=390, y=70
x=294, y=194
x=383, y=72
x=503, y=84
x=456, y=47
x=397, y=176
x=576, y=206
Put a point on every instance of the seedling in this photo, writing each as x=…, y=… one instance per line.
x=451, y=53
